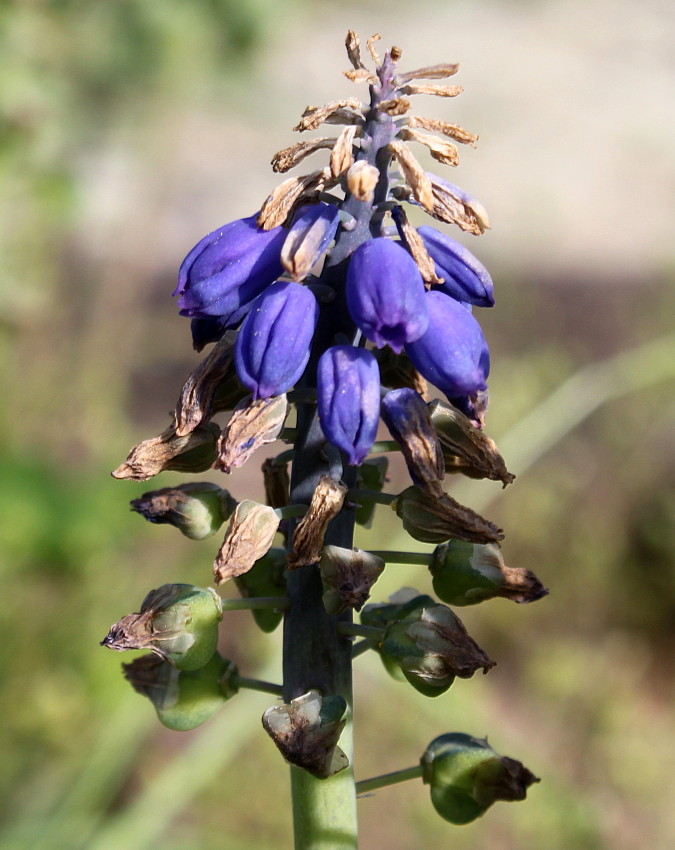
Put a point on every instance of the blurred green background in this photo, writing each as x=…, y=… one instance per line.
x=128, y=130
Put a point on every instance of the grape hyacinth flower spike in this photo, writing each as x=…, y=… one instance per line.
x=330, y=311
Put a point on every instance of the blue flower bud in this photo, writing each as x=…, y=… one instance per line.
x=452, y=354
x=312, y=231
x=274, y=342
x=348, y=391
x=466, y=279
x=385, y=294
x=224, y=272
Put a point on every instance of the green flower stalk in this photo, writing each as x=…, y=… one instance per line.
x=328, y=309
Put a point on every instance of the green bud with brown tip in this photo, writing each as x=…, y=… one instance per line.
x=436, y=518
x=183, y=699
x=467, y=573
x=197, y=509
x=179, y=622
x=432, y=648
x=467, y=776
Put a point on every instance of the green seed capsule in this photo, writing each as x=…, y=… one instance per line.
x=468, y=573
x=466, y=776
x=177, y=621
x=183, y=699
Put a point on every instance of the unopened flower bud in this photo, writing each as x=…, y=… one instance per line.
x=228, y=269
x=177, y=621
x=273, y=345
x=432, y=647
x=348, y=395
x=183, y=699
x=197, y=509
x=347, y=576
x=311, y=233
x=438, y=518
x=371, y=475
x=307, y=731
x=267, y=577
x=466, y=279
x=253, y=424
x=466, y=776
x=452, y=353
x=406, y=416
x=467, y=573
x=192, y=453
x=249, y=536
x=385, y=294
x=467, y=449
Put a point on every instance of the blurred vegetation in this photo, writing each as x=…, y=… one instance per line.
x=584, y=688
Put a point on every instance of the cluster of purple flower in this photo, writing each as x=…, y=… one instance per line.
x=237, y=277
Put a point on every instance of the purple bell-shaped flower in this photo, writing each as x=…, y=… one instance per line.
x=348, y=393
x=274, y=342
x=230, y=267
x=452, y=354
x=385, y=294
x=466, y=279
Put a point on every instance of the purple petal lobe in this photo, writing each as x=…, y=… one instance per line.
x=348, y=390
x=228, y=269
x=274, y=342
x=385, y=294
x=452, y=354
x=466, y=279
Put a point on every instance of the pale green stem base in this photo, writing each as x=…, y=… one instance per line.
x=324, y=810
x=394, y=778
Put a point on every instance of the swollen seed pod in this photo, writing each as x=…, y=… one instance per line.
x=177, y=621
x=183, y=699
x=466, y=776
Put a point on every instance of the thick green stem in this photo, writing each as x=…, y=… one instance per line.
x=394, y=778
x=253, y=603
x=392, y=557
